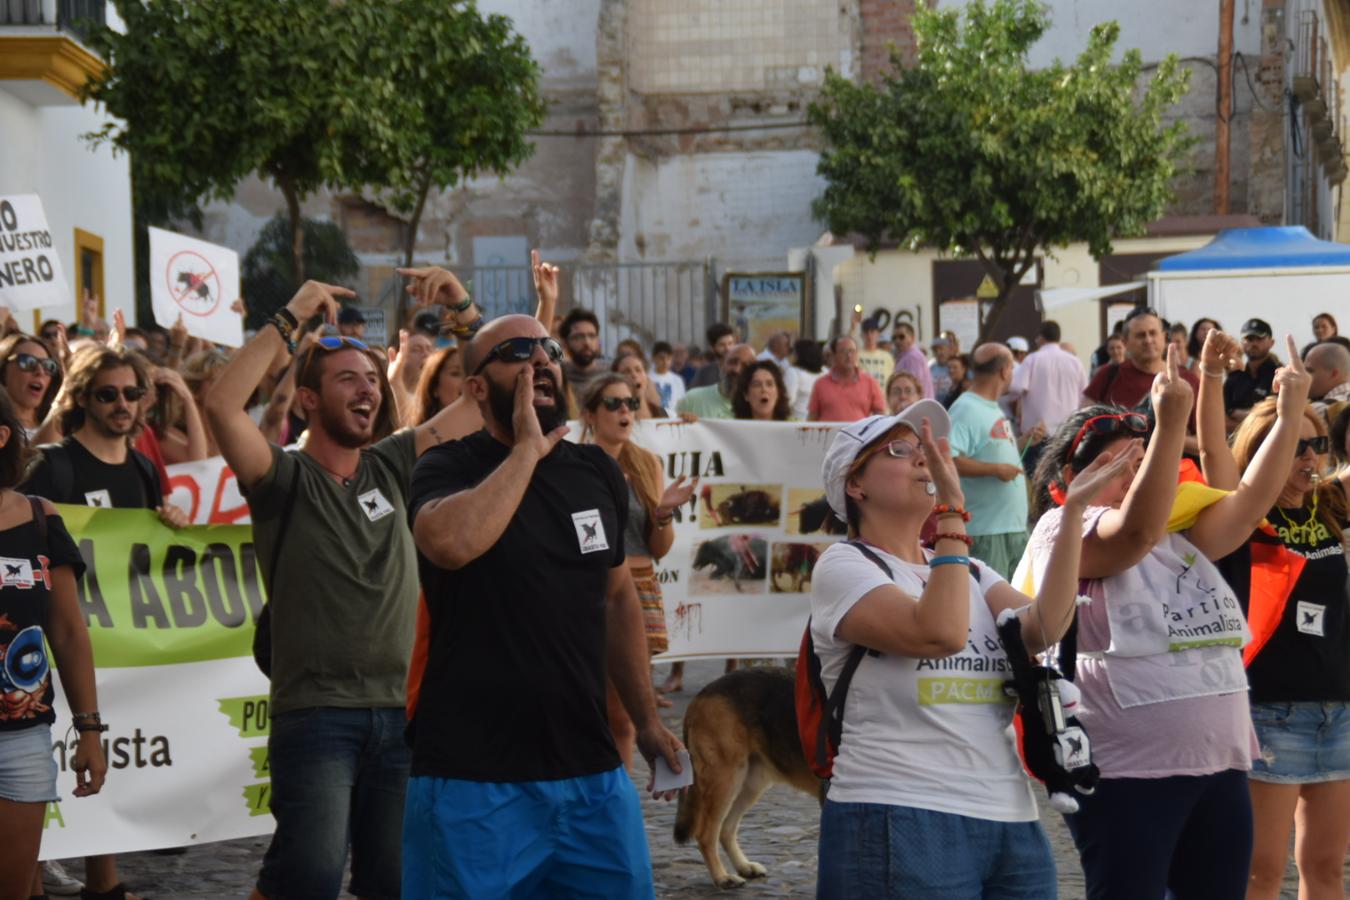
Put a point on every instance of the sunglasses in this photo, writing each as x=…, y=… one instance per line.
x=520, y=349
x=1108, y=424
x=108, y=394
x=1320, y=444
x=614, y=404
x=27, y=362
x=328, y=345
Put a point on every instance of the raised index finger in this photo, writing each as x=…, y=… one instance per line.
x=1295, y=361
x=1172, y=364
x=534, y=258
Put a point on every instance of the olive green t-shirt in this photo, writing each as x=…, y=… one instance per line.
x=344, y=596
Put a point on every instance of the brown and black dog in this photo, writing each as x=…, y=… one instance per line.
x=741, y=732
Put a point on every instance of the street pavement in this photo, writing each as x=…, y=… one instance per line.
x=780, y=832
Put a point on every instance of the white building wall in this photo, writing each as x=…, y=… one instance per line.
x=80, y=186
x=561, y=35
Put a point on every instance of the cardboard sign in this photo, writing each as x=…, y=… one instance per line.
x=198, y=281
x=30, y=271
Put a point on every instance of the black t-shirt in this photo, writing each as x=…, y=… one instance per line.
x=1307, y=659
x=514, y=688
x=1243, y=390
x=26, y=563
x=131, y=484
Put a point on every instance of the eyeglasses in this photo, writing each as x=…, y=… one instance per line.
x=329, y=344
x=108, y=393
x=27, y=362
x=902, y=449
x=1131, y=421
x=520, y=349
x=1320, y=444
x=614, y=404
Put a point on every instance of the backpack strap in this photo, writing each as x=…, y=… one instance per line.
x=39, y=516
x=62, y=471
x=145, y=466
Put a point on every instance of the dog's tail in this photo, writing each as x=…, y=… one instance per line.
x=687, y=805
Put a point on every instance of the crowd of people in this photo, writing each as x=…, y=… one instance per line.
x=473, y=669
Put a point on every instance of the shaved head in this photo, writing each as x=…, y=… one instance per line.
x=1328, y=366
x=496, y=331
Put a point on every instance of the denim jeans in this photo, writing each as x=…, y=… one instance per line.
x=878, y=850
x=338, y=778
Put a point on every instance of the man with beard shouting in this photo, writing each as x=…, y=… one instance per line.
x=330, y=531
x=517, y=787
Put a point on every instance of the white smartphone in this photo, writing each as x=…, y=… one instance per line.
x=666, y=780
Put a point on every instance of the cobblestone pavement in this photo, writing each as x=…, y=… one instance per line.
x=779, y=832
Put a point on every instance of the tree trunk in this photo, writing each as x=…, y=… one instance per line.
x=410, y=243
x=297, y=231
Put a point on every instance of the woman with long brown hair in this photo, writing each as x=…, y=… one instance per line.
x=633, y=367
x=31, y=375
x=440, y=384
x=760, y=393
x=609, y=412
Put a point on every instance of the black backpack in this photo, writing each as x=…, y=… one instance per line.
x=63, y=474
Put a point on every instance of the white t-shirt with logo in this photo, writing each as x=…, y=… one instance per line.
x=931, y=734
x=670, y=386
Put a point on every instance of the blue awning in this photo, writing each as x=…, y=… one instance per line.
x=1259, y=248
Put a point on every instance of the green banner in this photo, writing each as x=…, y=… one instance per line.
x=155, y=596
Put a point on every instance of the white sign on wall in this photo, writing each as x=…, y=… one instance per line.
x=30, y=270
x=198, y=281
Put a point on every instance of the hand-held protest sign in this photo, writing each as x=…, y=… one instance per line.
x=30, y=271
x=198, y=281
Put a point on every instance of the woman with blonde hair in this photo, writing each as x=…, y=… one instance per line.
x=609, y=412
x=902, y=391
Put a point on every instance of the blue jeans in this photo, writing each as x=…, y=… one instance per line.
x=1187, y=834
x=878, y=850
x=1302, y=743
x=573, y=837
x=338, y=778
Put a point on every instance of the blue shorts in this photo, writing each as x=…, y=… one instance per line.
x=1302, y=743
x=576, y=837
x=880, y=850
x=27, y=766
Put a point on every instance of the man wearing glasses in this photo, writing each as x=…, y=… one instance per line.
x=331, y=534
x=517, y=787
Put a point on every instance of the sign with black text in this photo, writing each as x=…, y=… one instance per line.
x=30, y=271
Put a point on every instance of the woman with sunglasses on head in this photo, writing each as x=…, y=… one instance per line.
x=928, y=797
x=31, y=378
x=42, y=611
x=1159, y=643
x=633, y=367
x=1293, y=581
x=609, y=413
x=760, y=394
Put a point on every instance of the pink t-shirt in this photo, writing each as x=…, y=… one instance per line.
x=1193, y=736
x=833, y=400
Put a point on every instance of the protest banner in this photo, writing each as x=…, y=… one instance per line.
x=170, y=618
x=208, y=492
x=198, y=281
x=30, y=270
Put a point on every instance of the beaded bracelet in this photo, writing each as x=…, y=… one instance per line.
x=467, y=330
x=948, y=561
x=954, y=536
x=1219, y=374
x=946, y=509
x=460, y=307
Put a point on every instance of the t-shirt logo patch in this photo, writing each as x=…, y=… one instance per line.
x=1312, y=619
x=99, y=498
x=374, y=505
x=590, y=531
x=16, y=573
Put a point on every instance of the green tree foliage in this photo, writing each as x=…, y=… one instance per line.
x=971, y=151
x=268, y=271
x=306, y=93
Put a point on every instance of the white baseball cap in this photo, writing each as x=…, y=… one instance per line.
x=1019, y=344
x=853, y=438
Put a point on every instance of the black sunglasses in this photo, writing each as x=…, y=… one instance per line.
x=614, y=404
x=27, y=362
x=1320, y=444
x=1131, y=421
x=519, y=349
x=108, y=393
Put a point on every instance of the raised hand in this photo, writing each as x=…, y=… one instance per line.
x=1221, y=353
x=1291, y=384
x=937, y=453
x=118, y=336
x=545, y=279
x=432, y=284
x=168, y=378
x=1172, y=395
x=315, y=297
x=397, y=358
x=677, y=494
x=1103, y=471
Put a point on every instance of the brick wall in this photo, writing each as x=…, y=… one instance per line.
x=885, y=23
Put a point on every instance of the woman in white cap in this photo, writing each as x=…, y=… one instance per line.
x=928, y=797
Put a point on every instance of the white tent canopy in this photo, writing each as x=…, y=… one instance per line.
x=1054, y=298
